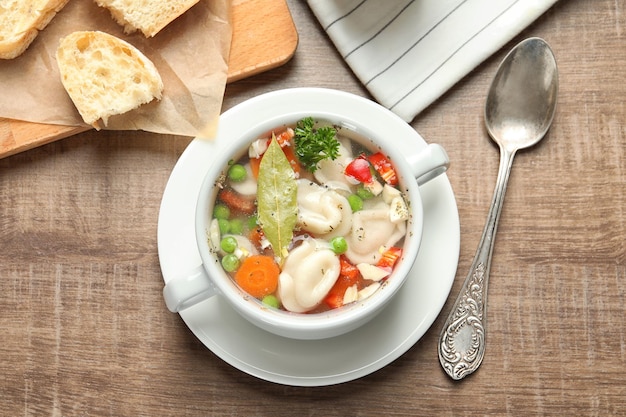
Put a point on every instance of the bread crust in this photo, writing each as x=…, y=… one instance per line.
x=21, y=22
x=148, y=16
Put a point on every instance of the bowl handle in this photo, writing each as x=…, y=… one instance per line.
x=187, y=290
x=429, y=163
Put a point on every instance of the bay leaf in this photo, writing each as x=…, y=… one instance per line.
x=277, y=199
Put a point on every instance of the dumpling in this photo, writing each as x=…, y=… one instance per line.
x=331, y=172
x=308, y=274
x=371, y=230
x=321, y=211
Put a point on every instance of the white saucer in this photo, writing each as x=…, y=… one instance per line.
x=295, y=362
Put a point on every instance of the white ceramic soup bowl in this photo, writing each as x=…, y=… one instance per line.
x=377, y=129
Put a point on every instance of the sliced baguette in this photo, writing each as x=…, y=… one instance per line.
x=105, y=75
x=148, y=16
x=21, y=22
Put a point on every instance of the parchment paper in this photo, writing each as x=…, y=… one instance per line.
x=191, y=54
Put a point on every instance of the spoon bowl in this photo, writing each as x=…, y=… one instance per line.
x=519, y=111
x=522, y=98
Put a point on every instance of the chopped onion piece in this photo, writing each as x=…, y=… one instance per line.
x=389, y=193
x=372, y=272
x=375, y=187
x=214, y=234
x=351, y=295
x=398, y=211
x=257, y=148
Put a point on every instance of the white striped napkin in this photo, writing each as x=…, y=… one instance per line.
x=407, y=53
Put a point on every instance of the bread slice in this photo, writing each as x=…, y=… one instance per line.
x=105, y=75
x=148, y=16
x=21, y=22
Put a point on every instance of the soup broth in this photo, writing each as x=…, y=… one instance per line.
x=309, y=219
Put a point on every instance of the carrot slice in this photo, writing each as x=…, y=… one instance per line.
x=292, y=158
x=237, y=202
x=258, y=275
x=256, y=235
x=255, y=164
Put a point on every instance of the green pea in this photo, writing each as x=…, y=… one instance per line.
x=236, y=226
x=228, y=244
x=230, y=262
x=224, y=225
x=356, y=202
x=271, y=300
x=339, y=245
x=221, y=211
x=364, y=193
x=237, y=173
x=252, y=222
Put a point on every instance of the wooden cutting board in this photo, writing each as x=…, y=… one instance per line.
x=256, y=47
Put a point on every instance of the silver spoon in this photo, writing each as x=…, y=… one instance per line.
x=519, y=110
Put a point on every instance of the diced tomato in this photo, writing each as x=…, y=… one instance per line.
x=348, y=269
x=334, y=298
x=359, y=169
x=237, y=202
x=384, y=168
x=348, y=276
x=389, y=258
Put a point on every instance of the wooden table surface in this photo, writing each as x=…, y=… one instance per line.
x=85, y=331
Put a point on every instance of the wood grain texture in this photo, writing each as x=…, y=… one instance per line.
x=85, y=330
x=264, y=37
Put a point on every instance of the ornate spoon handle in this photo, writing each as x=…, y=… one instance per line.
x=462, y=340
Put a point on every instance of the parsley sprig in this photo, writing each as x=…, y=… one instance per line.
x=313, y=145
